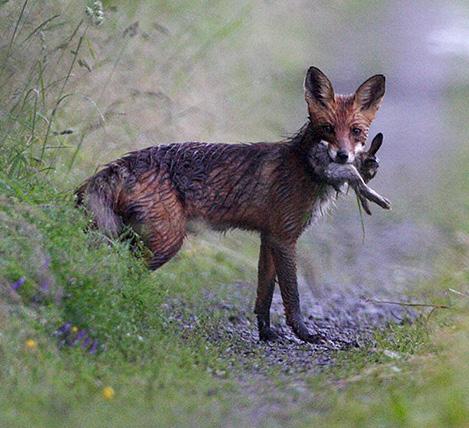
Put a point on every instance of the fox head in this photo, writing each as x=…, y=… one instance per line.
x=341, y=122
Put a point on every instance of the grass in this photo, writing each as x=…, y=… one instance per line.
x=106, y=290
x=162, y=374
x=66, y=274
x=423, y=388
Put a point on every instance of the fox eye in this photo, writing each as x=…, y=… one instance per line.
x=356, y=131
x=328, y=129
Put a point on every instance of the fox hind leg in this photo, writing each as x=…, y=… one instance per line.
x=284, y=260
x=164, y=251
x=165, y=229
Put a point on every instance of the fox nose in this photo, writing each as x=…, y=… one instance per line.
x=342, y=156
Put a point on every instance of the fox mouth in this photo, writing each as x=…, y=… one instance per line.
x=332, y=153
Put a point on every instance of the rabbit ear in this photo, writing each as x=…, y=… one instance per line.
x=376, y=144
x=318, y=88
x=369, y=96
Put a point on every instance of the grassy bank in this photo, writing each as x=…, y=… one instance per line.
x=80, y=313
x=121, y=335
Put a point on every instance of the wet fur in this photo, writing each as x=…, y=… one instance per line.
x=275, y=189
x=225, y=185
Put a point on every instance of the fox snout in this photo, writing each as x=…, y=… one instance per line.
x=342, y=156
x=339, y=155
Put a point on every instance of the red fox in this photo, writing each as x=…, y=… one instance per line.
x=275, y=189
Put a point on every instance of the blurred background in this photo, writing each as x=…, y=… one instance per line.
x=84, y=82
x=154, y=72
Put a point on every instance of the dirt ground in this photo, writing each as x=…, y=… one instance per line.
x=338, y=272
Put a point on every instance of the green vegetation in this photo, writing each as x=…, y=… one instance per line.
x=56, y=124
x=103, y=289
x=66, y=274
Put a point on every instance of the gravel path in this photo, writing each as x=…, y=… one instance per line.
x=337, y=270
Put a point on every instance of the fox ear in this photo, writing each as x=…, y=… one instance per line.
x=318, y=88
x=369, y=95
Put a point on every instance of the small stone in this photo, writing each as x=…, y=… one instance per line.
x=392, y=354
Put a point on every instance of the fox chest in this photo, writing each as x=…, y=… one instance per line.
x=322, y=203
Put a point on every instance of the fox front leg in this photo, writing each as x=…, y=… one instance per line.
x=284, y=260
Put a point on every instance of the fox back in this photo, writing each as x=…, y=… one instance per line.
x=225, y=185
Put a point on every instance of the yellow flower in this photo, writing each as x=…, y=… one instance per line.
x=108, y=393
x=74, y=329
x=31, y=344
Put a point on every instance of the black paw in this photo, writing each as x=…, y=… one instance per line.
x=314, y=338
x=302, y=332
x=267, y=334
